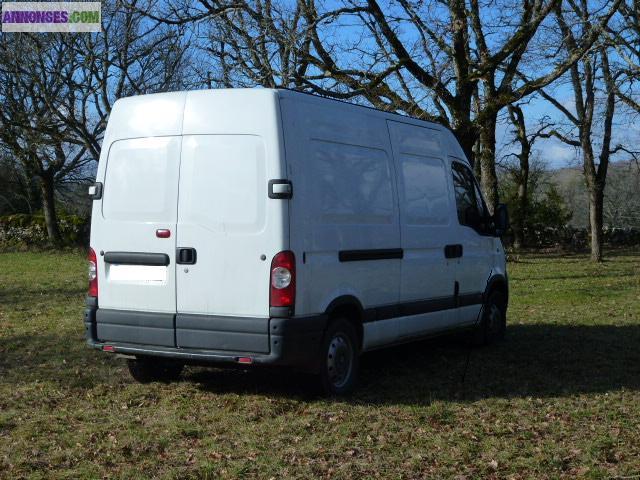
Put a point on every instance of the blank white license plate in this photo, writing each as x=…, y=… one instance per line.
x=153, y=274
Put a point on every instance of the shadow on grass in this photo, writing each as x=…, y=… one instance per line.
x=63, y=358
x=534, y=361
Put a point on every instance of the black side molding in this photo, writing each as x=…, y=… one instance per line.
x=372, y=254
x=417, y=307
x=136, y=258
x=468, y=299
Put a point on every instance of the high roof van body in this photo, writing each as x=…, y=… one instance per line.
x=256, y=226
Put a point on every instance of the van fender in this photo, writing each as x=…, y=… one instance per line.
x=345, y=301
x=349, y=306
x=498, y=281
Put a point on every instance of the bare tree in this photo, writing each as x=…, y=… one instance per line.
x=57, y=91
x=263, y=44
x=624, y=36
x=588, y=79
x=29, y=130
x=526, y=140
x=130, y=56
x=16, y=188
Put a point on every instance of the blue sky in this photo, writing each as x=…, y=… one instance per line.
x=556, y=154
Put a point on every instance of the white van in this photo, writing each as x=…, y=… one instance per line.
x=255, y=226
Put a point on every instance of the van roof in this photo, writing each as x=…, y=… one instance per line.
x=402, y=115
x=308, y=94
x=166, y=124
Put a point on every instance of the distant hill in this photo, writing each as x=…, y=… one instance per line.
x=622, y=194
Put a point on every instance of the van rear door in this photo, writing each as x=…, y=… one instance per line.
x=226, y=240
x=135, y=241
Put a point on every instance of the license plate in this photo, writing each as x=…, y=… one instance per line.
x=149, y=274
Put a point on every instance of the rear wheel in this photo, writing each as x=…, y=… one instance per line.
x=147, y=369
x=340, y=358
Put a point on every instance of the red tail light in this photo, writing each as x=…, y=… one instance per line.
x=93, y=273
x=283, y=280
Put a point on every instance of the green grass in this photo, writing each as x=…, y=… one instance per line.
x=559, y=398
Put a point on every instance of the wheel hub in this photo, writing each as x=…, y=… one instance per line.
x=339, y=360
x=495, y=319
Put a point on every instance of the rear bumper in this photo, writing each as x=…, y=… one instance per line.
x=293, y=342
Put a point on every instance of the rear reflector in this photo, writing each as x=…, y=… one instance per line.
x=108, y=348
x=163, y=233
x=245, y=360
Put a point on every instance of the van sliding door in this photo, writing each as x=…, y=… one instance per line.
x=427, y=283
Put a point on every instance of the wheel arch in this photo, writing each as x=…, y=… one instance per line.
x=498, y=283
x=349, y=307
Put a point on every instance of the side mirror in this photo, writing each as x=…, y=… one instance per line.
x=501, y=219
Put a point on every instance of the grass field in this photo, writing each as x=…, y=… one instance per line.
x=559, y=398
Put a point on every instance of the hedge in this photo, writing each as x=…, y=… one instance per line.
x=577, y=238
x=19, y=231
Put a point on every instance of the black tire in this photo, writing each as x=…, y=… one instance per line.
x=339, y=358
x=494, y=319
x=149, y=369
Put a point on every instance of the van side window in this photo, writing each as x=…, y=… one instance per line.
x=352, y=184
x=425, y=190
x=480, y=202
x=469, y=204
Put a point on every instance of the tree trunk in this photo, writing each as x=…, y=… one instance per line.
x=49, y=207
x=476, y=156
x=466, y=137
x=518, y=227
x=596, y=200
x=523, y=201
x=489, y=179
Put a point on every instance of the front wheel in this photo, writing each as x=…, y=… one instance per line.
x=340, y=358
x=494, y=319
x=149, y=369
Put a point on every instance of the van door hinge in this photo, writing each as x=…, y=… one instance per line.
x=280, y=189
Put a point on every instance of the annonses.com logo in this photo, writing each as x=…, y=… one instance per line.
x=51, y=17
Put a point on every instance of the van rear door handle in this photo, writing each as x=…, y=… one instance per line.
x=186, y=256
x=453, y=251
x=136, y=258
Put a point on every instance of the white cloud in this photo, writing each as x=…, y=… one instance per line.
x=556, y=154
